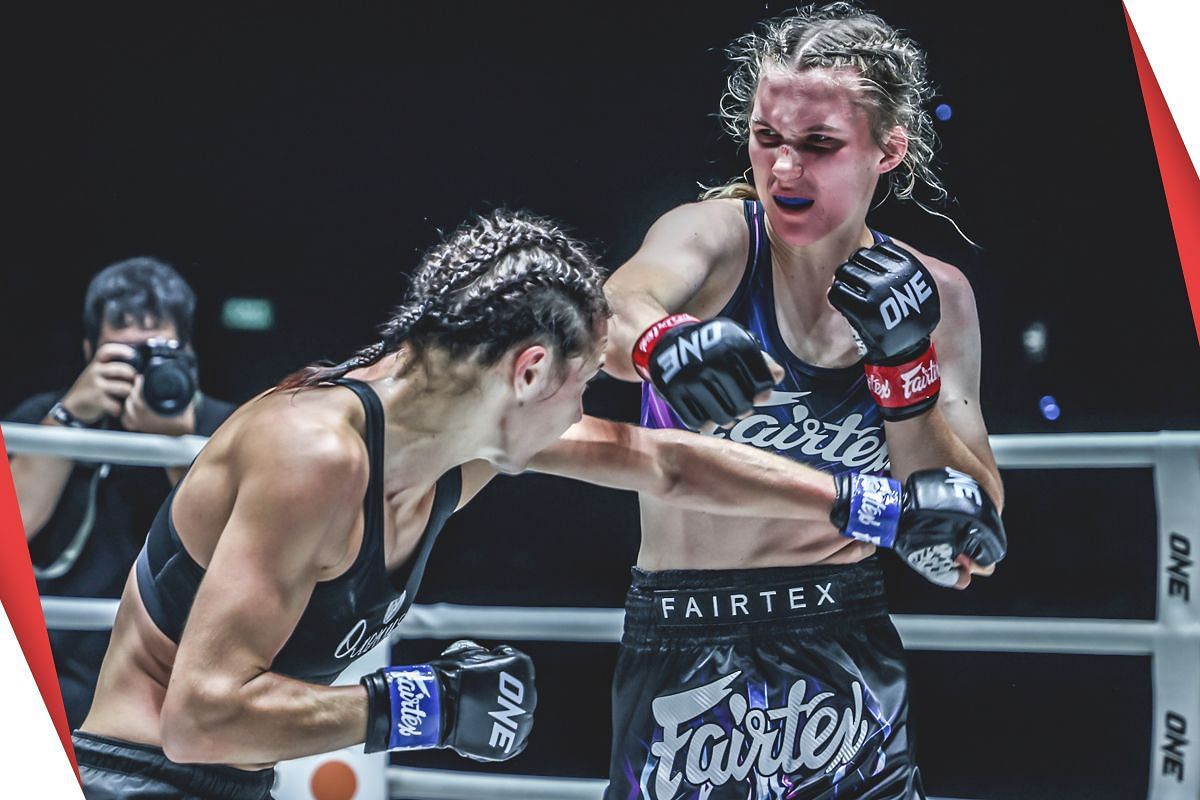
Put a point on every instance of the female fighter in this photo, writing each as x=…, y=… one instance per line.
x=880, y=345
x=298, y=538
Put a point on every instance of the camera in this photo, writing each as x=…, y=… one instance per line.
x=168, y=375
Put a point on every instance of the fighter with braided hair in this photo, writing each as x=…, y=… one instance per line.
x=297, y=540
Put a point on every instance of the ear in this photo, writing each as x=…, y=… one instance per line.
x=532, y=373
x=87, y=351
x=894, y=149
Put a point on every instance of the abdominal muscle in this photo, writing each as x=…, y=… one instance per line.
x=134, y=676
x=673, y=538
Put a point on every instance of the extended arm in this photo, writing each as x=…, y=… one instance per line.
x=689, y=470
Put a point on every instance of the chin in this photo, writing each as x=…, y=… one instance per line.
x=799, y=232
x=507, y=465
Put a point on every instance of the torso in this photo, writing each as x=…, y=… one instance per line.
x=820, y=414
x=354, y=580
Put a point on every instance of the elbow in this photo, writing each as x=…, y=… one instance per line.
x=198, y=723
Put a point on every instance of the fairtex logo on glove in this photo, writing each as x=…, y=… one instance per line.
x=874, y=510
x=416, y=708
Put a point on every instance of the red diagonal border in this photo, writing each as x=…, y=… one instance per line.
x=1180, y=182
x=19, y=595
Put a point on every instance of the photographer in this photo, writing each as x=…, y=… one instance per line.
x=86, y=522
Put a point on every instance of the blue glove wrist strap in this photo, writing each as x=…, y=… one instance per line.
x=874, y=510
x=416, y=707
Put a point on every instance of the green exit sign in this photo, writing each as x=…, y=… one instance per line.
x=248, y=314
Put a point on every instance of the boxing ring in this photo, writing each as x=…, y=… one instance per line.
x=1171, y=640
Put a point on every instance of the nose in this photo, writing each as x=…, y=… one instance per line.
x=787, y=163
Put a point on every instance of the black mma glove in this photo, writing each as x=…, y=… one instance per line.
x=939, y=515
x=891, y=300
x=706, y=371
x=476, y=702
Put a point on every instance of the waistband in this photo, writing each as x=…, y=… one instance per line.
x=202, y=780
x=728, y=603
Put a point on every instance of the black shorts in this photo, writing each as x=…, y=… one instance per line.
x=112, y=769
x=761, y=684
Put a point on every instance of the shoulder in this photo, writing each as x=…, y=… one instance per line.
x=954, y=290
x=711, y=226
x=303, y=455
x=35, y=408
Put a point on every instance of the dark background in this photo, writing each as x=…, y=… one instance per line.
x=310, y=156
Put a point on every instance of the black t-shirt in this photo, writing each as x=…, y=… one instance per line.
x=126, y=500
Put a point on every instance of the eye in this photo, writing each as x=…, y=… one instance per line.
x=817, y=141
x=767, y=136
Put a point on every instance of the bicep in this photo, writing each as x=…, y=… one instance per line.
x=281, y=533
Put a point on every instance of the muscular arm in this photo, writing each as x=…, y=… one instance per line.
x=689, y=262
x=952, y=433
x=689, y=470
x=297, y=501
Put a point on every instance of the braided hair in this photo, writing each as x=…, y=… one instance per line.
x=495, y=282
x=890, y=77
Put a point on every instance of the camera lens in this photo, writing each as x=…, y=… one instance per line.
x=168, y=383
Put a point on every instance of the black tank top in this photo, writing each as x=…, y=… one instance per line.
x=346, y=616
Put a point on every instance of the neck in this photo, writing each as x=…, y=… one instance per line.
x=432, y=423
x=807, y=270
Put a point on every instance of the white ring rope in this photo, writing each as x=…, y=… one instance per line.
x=1172, y=640
x=112, y=447
x=603, y=626
x=444, y=784
x=1014, y=451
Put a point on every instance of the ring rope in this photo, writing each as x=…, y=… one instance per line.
x=604, y=625
x=1013, y=451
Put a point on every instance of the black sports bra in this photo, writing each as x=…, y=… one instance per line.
x=346, y=616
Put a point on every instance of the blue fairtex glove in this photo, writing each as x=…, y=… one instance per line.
x=478, y=703
x=938, y=515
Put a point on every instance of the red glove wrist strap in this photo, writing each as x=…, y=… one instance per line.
x=905, y=384
x=649, y=338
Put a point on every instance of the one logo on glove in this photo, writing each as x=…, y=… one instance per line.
x=687, y=347
x=504, y=726
x=416, y=708
x=896, y=308
x=964, y=485
x=816, y=735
